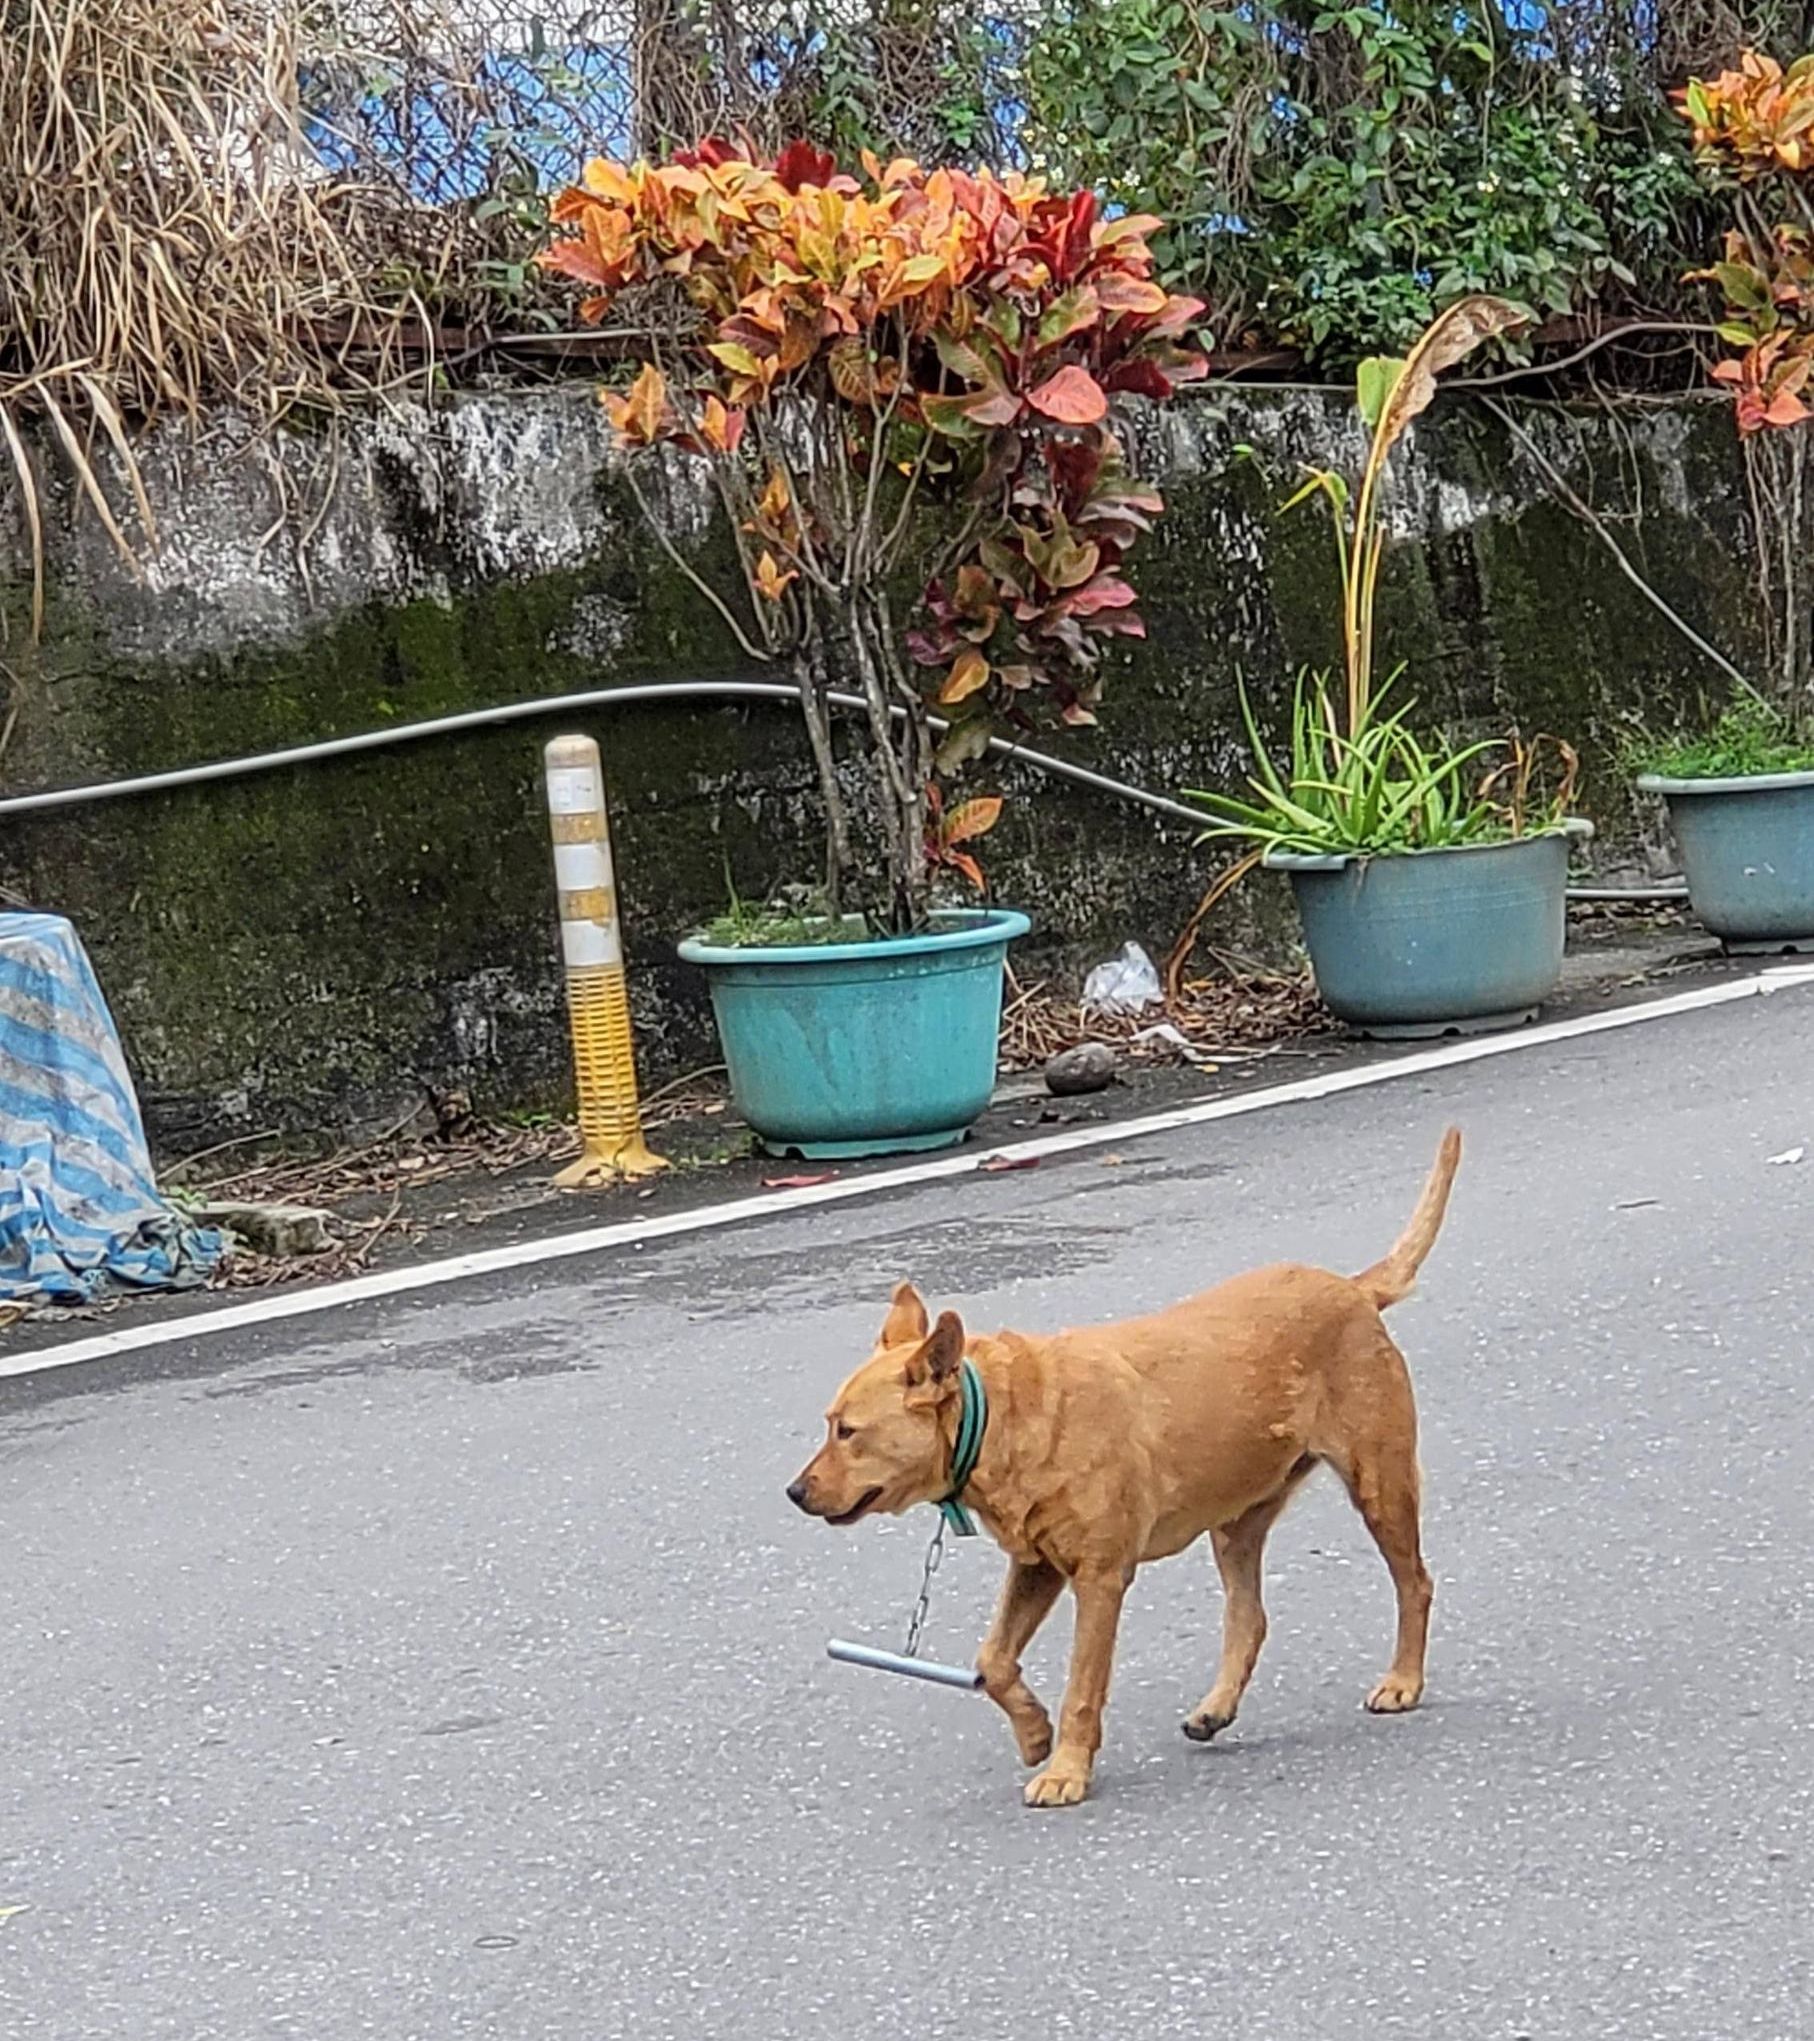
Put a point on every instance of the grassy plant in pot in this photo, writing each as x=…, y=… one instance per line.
x=1430, y=878
x=1741, y=794
x=1741, y=804
x=899, y=386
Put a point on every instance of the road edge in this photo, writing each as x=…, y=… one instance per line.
x=699, y=1219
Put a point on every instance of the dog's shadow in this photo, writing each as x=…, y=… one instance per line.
x=1323, y=1733
x=1303, y=1746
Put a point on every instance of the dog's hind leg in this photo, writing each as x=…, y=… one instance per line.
x=1240, y=1548
x=1367, y=1432
x=1026, y=1600
x=1383, y=1481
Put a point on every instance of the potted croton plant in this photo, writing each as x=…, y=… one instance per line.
x=1430, y=877
x=1741, y=792
x=899, y=384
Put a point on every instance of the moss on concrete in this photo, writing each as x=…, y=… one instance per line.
x=322, y=943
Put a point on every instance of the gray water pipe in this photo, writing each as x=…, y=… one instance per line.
x=607, y=697
x=514, y=712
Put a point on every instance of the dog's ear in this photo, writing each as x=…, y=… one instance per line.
x=906, y=1320
x=936, y=1361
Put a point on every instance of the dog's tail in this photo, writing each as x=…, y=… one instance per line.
x=1392, y=1280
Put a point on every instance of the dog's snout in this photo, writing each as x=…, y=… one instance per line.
x=796, y=1492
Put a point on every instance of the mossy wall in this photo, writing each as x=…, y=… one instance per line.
x=321, y=944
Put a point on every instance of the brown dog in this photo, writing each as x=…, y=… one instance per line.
x=1122, y=1443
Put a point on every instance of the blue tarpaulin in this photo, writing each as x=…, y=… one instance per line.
x=79, y=1208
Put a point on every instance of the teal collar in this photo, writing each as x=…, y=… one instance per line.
x=972, y=1422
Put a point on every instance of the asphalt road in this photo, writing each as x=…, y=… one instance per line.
x=452, y=1666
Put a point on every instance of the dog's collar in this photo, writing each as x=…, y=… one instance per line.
x=972, y=1422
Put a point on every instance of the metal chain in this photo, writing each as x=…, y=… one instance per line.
x=935, y=1558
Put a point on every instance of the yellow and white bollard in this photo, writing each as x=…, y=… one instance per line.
x=598, y=1000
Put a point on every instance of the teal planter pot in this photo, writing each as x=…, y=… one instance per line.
x=1748, y=856
x=1435, y=942
x=863, y=1048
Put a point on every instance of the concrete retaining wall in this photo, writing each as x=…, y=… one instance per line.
x=320, y=944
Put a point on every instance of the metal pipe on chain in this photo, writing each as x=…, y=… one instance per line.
x=965, y=1677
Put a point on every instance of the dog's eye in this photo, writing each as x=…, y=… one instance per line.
x=841, y=1430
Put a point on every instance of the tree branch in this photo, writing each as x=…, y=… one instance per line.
x=1597, y=524
x=691, y=572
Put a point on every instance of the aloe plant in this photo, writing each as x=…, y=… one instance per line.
x=1376, y=788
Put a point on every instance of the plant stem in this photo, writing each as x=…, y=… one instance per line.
x=913, y=727
x=687, y=568
x=1365, y=551
x=1597, y=524
x=901, y=797
x=812, y=676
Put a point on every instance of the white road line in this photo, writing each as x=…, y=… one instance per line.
x=628, y=1232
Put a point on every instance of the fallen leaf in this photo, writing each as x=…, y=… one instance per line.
x=7, y=1912
x=1789, y=1155
x=796, y=1183
x=1112, y=1161
x=1635, y=1204
x=997, y=1164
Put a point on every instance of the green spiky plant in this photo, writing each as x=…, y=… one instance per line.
x=1359, y=779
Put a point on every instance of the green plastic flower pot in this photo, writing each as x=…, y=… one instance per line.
x=863, y=1048
x=1435, y=942
x=1748, y=855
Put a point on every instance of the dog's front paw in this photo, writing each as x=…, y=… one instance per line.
x=1060, y=1785
x=1395, y=1695
x=1206, y=1724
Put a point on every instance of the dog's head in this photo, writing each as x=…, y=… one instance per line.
x=883, y=1445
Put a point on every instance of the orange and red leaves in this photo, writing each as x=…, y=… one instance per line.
x=1071, y=397
x=641, y=415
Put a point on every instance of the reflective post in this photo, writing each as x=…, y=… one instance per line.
x=598, y=1000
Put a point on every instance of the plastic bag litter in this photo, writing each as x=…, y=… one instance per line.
x=1173, y=1038
x=1127, y=983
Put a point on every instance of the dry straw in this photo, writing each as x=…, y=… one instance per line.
x=169, y=241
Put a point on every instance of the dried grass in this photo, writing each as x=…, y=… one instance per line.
x=1243, y=1012
x=428, y=1145
x=283, y=206
x=399, y=1164
x=168, y=241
